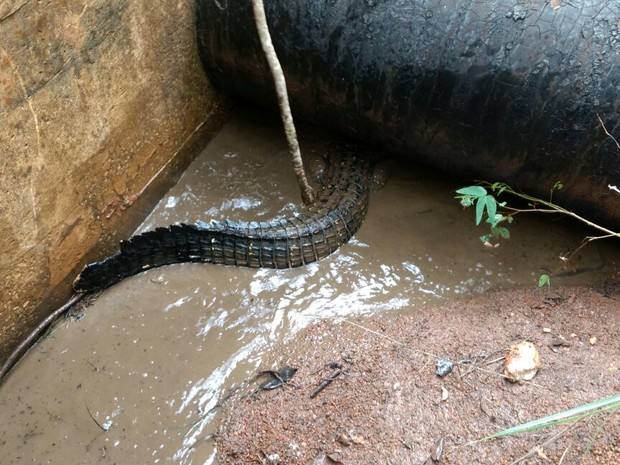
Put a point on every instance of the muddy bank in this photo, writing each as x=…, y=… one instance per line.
x=388, y=406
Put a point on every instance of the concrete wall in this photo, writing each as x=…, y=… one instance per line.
x=102, y=104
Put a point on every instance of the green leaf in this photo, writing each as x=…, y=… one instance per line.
x=480, y=204
x=544, y=280
x=504, y=233
x=497, y=219
x=474, y=191
x=500, y=232
x=491, y=208
x=499, y=187
x=557, y=186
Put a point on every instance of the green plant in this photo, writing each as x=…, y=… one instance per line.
x=498, y=215
x=486, y=204
x=572, y=416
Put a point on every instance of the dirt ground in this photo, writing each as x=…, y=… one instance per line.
x=387, y=405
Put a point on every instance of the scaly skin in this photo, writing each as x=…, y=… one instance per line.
x=310, y=236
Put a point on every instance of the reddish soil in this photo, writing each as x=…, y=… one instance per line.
x=387, y=408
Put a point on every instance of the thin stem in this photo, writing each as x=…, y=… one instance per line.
x=607, y=132
x=586, y=241
x=307, y=193
x=553, y=208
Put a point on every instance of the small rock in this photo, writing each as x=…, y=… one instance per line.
x=592, y=340
x=349, y=438
x=444, y=394
x=560, y=341
x=344, y=439
x=522, y=362
x=320, y=459
x=357, y=439
x=443, y=367
x=437, y=450
x=546, y=330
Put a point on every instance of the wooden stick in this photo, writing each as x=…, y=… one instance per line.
x=307, y=193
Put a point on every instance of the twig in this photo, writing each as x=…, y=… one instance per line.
x=501, y=375
x=326, y=382
x=488, y=362
x=597, y=433
x=93, y=366
x=607, y=132
x=94, y=419
x=307, y=193
x=34, y=335
x=376, y=333
x=564, y=455
x=553, y=208
x=546, y=443
x=587, y=240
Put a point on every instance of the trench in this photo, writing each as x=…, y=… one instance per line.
x=135, y=378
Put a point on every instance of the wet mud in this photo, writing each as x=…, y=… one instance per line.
x=134, y=378
x=386, y=403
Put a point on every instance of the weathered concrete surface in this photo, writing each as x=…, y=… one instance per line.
x=101, y=103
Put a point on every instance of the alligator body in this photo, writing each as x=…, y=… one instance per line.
x=309, y=236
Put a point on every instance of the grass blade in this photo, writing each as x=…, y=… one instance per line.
x=574, y=414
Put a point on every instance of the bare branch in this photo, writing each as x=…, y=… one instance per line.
x=307, y=193
x=607, y=132
x=554, y=208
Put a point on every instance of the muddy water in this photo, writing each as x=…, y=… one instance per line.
x=134, y=379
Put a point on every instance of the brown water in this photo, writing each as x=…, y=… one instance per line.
x=155, y=352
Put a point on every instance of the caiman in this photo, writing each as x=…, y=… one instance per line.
x=311, y=235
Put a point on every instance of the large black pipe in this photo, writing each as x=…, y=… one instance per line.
x=492, y=89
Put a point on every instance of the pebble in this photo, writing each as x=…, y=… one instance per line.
x=522, y=362
x=443, y=367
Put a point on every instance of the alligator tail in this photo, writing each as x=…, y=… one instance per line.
x=162, y=246
x=285, y=243
x=290, y=242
